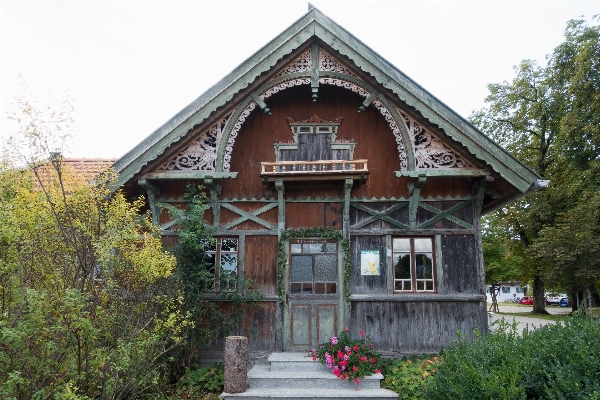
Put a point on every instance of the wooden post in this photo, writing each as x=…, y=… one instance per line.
x=236, y=370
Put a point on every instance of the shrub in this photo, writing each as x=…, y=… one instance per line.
x=409, y=377
x=553, y=362
x=197, y=383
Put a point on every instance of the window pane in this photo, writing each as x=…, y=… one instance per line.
x=229, y=244
x=402, y=266
x=211, y=258
x=301, y=269
x=424, y=266
x=296, y=288
x=319, y=288
x=423, y=245
x=326, y=268
x=296, y=248
x=331, y=287
x=209, y=245
x=228, y=262
x=401, y=244
x=420, y=285
x=314, y=248
x=429, y=285
x=307, y=288
x=330, y=248
x=403, y=285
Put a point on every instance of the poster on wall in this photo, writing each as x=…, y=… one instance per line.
x=369, y=262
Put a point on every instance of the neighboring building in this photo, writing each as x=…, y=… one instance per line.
x=316, y=130
x=509, y=291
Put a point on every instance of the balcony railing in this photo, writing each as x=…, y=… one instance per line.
x=314, y=167
x=320, y=170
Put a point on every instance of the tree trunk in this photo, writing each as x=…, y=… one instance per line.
x=539, y=299
x=236, y=369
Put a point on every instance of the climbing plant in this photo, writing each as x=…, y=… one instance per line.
x=319, y=232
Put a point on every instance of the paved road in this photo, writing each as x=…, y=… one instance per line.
x=525, y=322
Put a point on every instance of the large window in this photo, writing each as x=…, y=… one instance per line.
x=413, y=265
x=313, y=265
x=222, y=256
x=505, y=289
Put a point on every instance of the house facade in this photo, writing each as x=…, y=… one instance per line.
x=506, y=292
x=346, y=192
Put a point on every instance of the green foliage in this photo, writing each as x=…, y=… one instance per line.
x=549, y=118
x=558, y=361
x=196, y=383
x=218, y=310
x=318, y=232
x=85, y=309
x=349, y=358
x=409, y=377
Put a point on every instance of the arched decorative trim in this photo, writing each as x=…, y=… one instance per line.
x=430, y=151
x=233, y=134
x=201, y=154
x=390, y=114
x=300, y=64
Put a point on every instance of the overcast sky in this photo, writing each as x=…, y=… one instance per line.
x=131, y=66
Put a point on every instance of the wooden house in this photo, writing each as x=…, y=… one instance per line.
x=371, y=188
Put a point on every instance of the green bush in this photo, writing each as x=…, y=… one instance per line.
x=409, y=377
x=553, y=362
x=197, y=383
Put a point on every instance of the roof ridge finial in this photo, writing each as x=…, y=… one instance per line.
x=310, y=6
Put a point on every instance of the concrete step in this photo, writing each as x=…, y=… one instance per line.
x=294, y=362
x=310, y=393
x=261, y=376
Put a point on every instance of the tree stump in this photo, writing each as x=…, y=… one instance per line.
x=236, y=358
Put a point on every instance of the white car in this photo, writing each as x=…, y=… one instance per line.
x=554, y=299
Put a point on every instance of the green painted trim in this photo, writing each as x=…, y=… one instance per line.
x=439, y=270
x=248, y=216
x=164, y=176
x=442, y=173
x=307, y=233
x=446, y=215
x=230, y=125
x=380, y=216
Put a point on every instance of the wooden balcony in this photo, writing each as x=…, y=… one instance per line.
x=321, y=170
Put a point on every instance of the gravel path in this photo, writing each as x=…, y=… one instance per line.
x=526, y=322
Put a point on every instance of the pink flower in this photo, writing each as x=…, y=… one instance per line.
x=356, y=348
x=354, y=368
x=363, y=359
x=346, y=329
x=373, y=361
x=361, y=333
x=334, y=340
x=377, y=371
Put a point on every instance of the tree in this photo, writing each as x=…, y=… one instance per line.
x=86, y=306
x=548, y=117
x=499, y=264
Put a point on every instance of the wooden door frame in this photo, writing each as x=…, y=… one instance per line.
x=286, y=279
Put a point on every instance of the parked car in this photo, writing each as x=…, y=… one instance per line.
x=554, y=299
x=526, y=300
x=564, y=302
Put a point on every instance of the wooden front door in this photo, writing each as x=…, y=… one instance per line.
x=313, y=293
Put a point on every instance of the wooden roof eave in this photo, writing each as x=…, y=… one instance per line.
x=216, y=96
x=315, y=23
x=438, y=113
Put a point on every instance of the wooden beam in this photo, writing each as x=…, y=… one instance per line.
x=280, y=207
x=443, y=173
x=159, y=176
x=314, y=70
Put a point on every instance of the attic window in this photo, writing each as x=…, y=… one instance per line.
x=325, y=129
x=304, y=129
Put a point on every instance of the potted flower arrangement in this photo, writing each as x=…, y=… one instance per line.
x=348, y=358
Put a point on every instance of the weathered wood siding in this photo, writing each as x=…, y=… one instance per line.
x=360, y=284
x=260, y=263
x=459, y=265
x=304, y=215
x=417, y=327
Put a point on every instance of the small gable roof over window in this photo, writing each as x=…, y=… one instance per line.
x=249, y=85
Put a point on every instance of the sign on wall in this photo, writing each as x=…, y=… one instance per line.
x=369, y=262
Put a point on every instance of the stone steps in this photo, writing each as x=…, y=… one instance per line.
x=292, y=376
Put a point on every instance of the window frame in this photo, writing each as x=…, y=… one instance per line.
x=315, y=287
x=413, y=266
x=215, y=267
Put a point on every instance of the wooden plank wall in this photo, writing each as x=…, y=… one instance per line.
x=368, y=284
x=260, y=263
x=459, y=265
x=417, y=327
